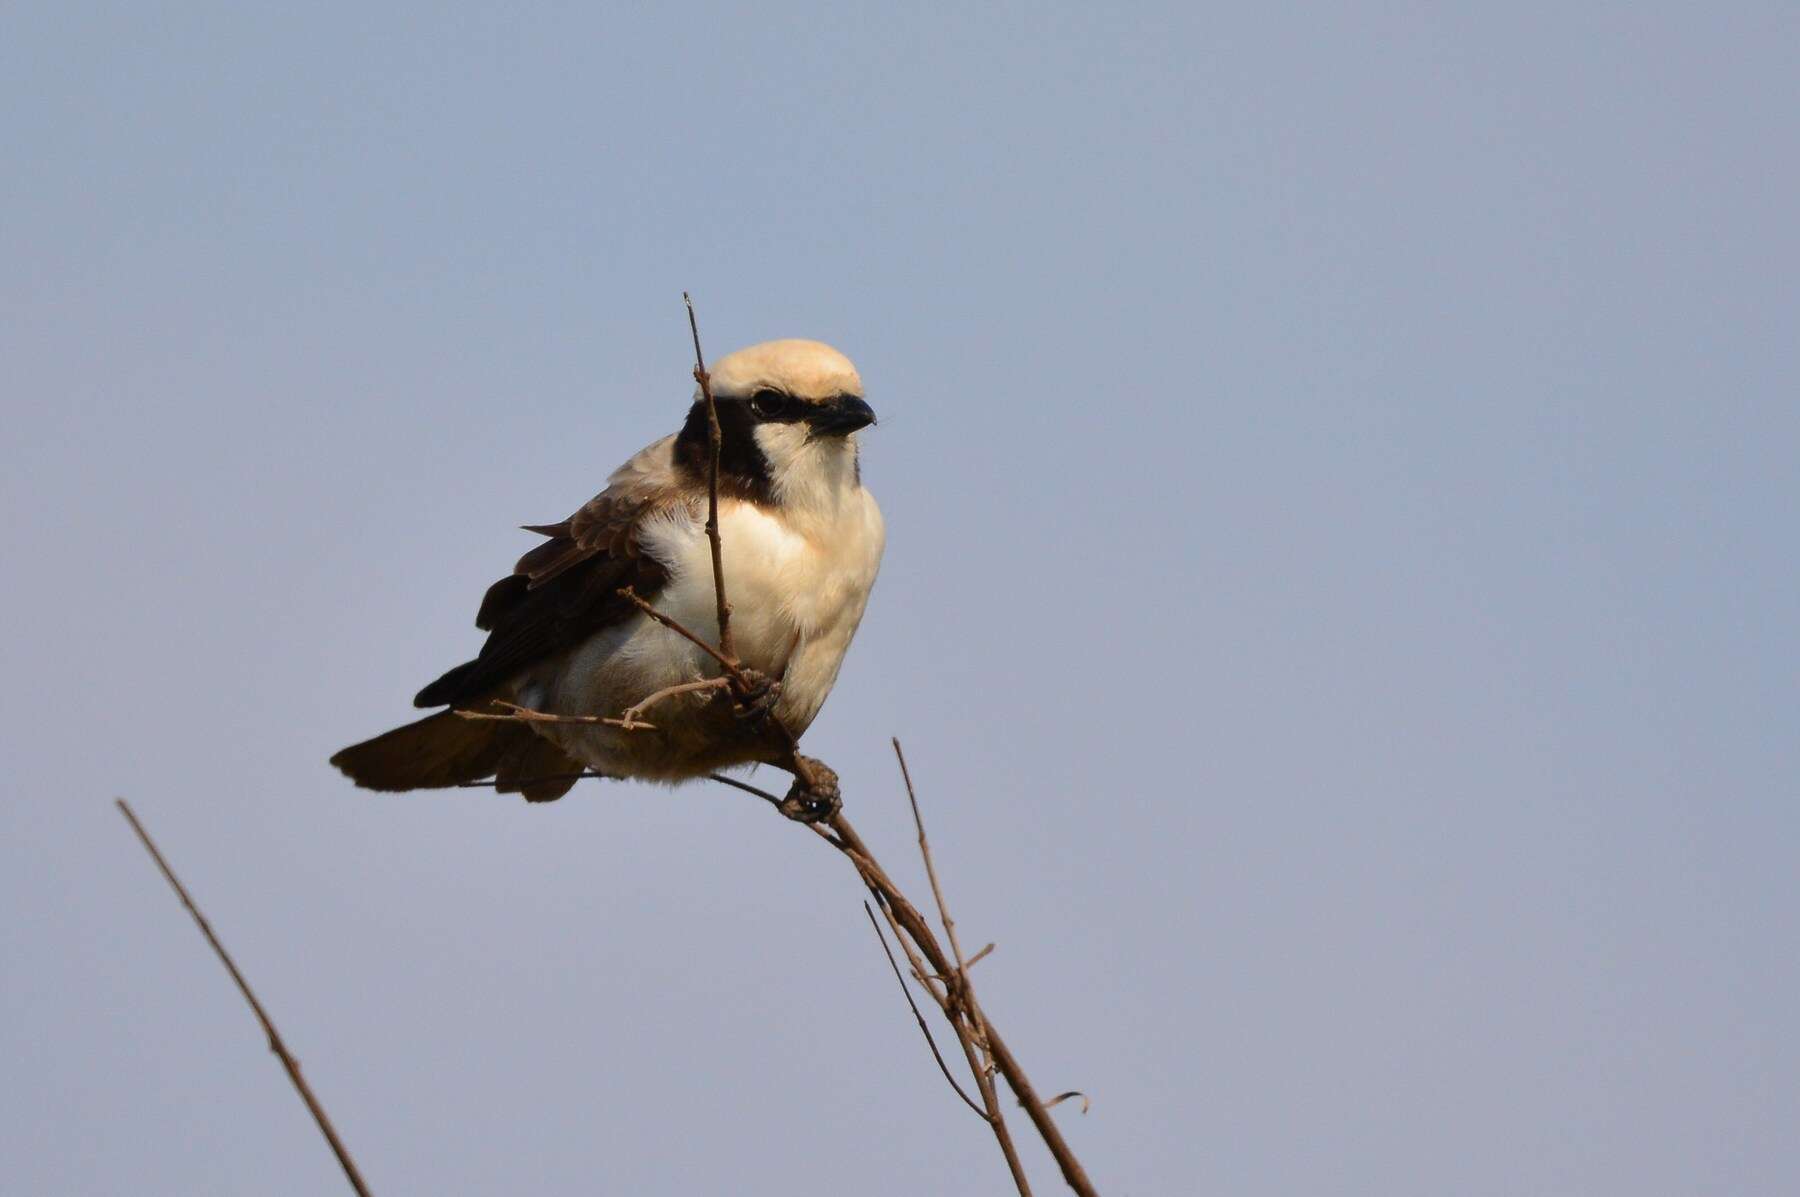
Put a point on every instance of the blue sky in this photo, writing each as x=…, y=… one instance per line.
x=1340, y=599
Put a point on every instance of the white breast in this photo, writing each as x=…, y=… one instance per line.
x=797, y=589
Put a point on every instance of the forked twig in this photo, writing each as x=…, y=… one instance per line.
x=632, y=718
x=919, y=932
x=730, y=665
x=914, y=933
x=963, y=991
x=960, y=1005
x=514, y=713
x=930, y=963
x=275, y=1043
x=935, y=1054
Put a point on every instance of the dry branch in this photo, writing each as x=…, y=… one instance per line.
x=962, y=991
x=633, y=718
x=729, y=664
x=960, y=1006
x=514, y=713
x=977, y=1037
x=713, y=439
x=923, y=1025
x=944, y=977
x=275, y=1043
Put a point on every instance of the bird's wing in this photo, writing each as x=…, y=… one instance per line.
x=566, y=589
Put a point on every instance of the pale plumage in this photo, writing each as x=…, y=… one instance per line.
x=798, y=585
x=802, y=542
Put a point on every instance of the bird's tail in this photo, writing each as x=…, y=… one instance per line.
x=444, y=750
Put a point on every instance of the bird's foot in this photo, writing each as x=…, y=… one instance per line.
x=754, y=703
x=813, y=799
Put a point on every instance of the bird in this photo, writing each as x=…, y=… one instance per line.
x=801, y=542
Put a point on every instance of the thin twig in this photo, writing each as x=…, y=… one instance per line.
x=514, y=713
x=745, y=786
x=907, y=992
x=713, y=438
x=728, y=664
x=1039, y=1113
x=275, y=1044
x=911, y=928
x=963, y=988
x=891, y=901
x=909, y=925
x=920, y=970
x=632, y=718
x=962, y=1004
x=852, y=845
x=726, y=652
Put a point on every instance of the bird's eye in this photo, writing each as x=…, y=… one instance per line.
x=768, y=404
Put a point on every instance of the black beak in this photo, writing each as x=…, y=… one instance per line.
x=841, y=416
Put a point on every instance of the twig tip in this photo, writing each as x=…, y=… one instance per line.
x=1062, y=1097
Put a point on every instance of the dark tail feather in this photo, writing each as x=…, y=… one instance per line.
x=445, y=690
x=538, y=770
x=446, y=750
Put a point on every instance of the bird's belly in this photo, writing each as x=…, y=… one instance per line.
x=796, y=603
x=689, y=734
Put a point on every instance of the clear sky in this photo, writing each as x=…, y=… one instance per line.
x=1340, y=467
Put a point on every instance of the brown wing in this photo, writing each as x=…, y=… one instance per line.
x=566, y=589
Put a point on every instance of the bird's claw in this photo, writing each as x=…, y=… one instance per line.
x=816, y=801
x=754, y=702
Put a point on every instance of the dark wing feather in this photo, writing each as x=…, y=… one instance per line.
x=560, y=593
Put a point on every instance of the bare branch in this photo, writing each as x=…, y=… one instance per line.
x=1009, y=1067
x=852, y=845
x=920, y=970
x=728, y=664
x=963, y=989
x=713, y=437
x=910, y=928
x=726, y=653
x=275, y=1044
x=935, y=1054
x=632, y=718
x=745, y=786
x=514, y=713
x=892, y=901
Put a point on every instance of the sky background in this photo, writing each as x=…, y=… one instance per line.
x=1340, y=602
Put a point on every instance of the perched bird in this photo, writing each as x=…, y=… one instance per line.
x=801, y=544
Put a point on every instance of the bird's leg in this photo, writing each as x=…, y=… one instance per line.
x=814, y=796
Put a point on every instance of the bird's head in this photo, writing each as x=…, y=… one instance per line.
x=788, y=415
